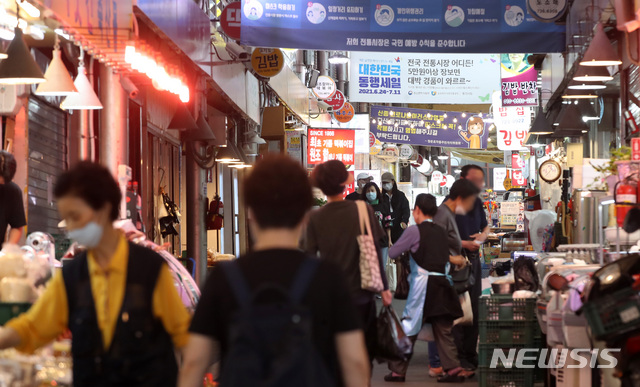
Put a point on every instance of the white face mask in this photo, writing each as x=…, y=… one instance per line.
x=89, y=236
x=460, y=210
x=361, y=185
x=387, y=186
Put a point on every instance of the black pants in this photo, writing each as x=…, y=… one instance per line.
x=466, y=336
x=367, y=313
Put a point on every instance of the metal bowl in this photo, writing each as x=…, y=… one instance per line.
x=503, y=288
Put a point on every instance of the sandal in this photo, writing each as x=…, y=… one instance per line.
x=393, y=378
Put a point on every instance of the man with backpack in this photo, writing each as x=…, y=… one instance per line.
x=277, y=317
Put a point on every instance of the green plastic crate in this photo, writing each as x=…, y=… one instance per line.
x=498, y=377
x=485, y=351
x=509, y=332
x=9, y=310
x=507, y=308
x=614, y=314
x=62, y=245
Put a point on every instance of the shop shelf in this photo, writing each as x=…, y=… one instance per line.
x=9, y=310
x=506, y=308
x=508, y=377
x=614, y=314
x=509, y=332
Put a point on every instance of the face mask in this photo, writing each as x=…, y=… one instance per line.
x=372, y=196
x=460, y=210
x=361, y=185
x=387, y=186
x=89, y=236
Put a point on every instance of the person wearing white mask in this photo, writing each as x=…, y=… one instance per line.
x=363, y=179
x=117, y=298
x=462, y=197
x=398, y=203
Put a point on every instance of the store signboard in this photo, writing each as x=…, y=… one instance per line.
x=509, y=213
x=518, y=179
x=428, y=127
x=499, y=175
x=294, y=144
x=230, y=20
x=398, y=26
x=519, y=81
x=325, y=87
x=351, y=187
x=635, y=149
x=345, y=114
x=331, y=144
x=423, y=78
x=512, y=123
x=337, y=101
x=267, y=62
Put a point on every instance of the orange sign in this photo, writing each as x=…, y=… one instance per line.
x=267, y=62
x=331, y=144
x=346, y=113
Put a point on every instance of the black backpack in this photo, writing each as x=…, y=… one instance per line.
x=271, y=345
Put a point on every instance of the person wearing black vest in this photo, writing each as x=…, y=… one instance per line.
x=117, y=299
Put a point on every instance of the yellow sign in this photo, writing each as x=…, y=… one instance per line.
x=267, y=62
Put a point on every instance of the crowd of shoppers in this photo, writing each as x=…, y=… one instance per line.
x=280, y=314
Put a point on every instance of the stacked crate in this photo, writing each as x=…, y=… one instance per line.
x=507, y=323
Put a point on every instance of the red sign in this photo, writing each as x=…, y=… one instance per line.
x=330, y=144
x=350, y=188
x=372, y=140
x=230, y=20
x=517, y=161
x=635, y=149
x=518, y=179
x=336, y=101
x=345, y=114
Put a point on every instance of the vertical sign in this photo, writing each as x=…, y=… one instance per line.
x=294, y=144
x=635, y=149
x=512, y=123
x=519, y=81
x=331, y=144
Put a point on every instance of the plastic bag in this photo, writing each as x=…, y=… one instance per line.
x=403, y=270
x=465, y=303
x=525, y=274
x=392, y=344
x=539, y=221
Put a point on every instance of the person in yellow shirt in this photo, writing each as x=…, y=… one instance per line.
x=117, y=299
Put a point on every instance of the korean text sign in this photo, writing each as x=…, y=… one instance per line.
x=466, y=26
x=519, y=81
x=428, y=127
x=513, y=125
x=423, y=78
x=331, y=144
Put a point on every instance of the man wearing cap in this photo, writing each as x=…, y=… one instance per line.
x=363, y=179
x=11, y=206
x=400, y=211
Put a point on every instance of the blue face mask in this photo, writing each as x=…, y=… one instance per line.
x=372, y=196
x=89, y=236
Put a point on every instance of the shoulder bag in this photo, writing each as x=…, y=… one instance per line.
x=370, y=277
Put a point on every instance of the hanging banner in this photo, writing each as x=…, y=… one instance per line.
x=428, y=127
x=331, y=144
x=467, y=26
x=423, y=78
x=519, y=81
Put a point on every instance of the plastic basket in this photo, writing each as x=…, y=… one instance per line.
x=9, y=310
x=515, y=332
x=511, y=377
x=506, y=308
x=614, y=314
x=486, y=351
x=62, y=245
x=486, y=270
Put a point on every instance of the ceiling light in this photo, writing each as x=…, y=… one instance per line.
x=600, y=51
x=85, y=98
x=338, y=58
x=63, y=34
x=571, y=120
x=19, y=68
x=58, y=81
x=592, y=74
x=29, y=8
x=541, y=124
x=299, y=129
x=443, y=157
x=588, y=111
x=35, y=32
x=182, y=119
x=586, y=86
x=240, y=166
x=227, y=156
x=534, y=140
x=6, y=34
x=578, y=94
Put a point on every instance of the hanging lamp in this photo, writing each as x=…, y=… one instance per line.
x=588, y=111
x=227, y=156
x=575, y=85
x=534, y=140
x=19, y=68
x=540, y=124
x=182, y=119
x=58, y=81
x=338, y=58
x=600, y=51
x=592, y=74
x=571, y=120
x=579, y=94
x=85, y=98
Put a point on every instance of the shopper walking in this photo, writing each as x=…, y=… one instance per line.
x=12, y=208
x=362, y=180
x=117, y=299
x=371, y=194
x=474, y=229
x=400, y=211
x=332, y=232
x=331, y=350
x=432, y=298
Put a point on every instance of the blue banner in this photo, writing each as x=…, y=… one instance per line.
x=429, y=127
x=466, y=26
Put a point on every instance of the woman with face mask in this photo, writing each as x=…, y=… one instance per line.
x=371, y=194
x=117, y=299
x=462, y=198
x=398, y=203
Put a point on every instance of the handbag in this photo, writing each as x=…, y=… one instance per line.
x=390, y=272
x=403, y=270
x=463, y=278
x=392, y=343
x=370, y=276
x=465, y=303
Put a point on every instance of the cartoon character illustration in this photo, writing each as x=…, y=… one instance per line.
x=519, y=18
x=316, y=13
x=475, y=129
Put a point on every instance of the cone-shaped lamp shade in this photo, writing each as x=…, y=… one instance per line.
x=572, y=120
x=600, y=51
x=534, y=140
x=182, y=119
x=227, y=156
x=19, y=68
x=588, y=111
x=574, y=85
x=58, y=81
x=541, y=125
x=85, y=98
x=592, y=74
x=579, y=94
